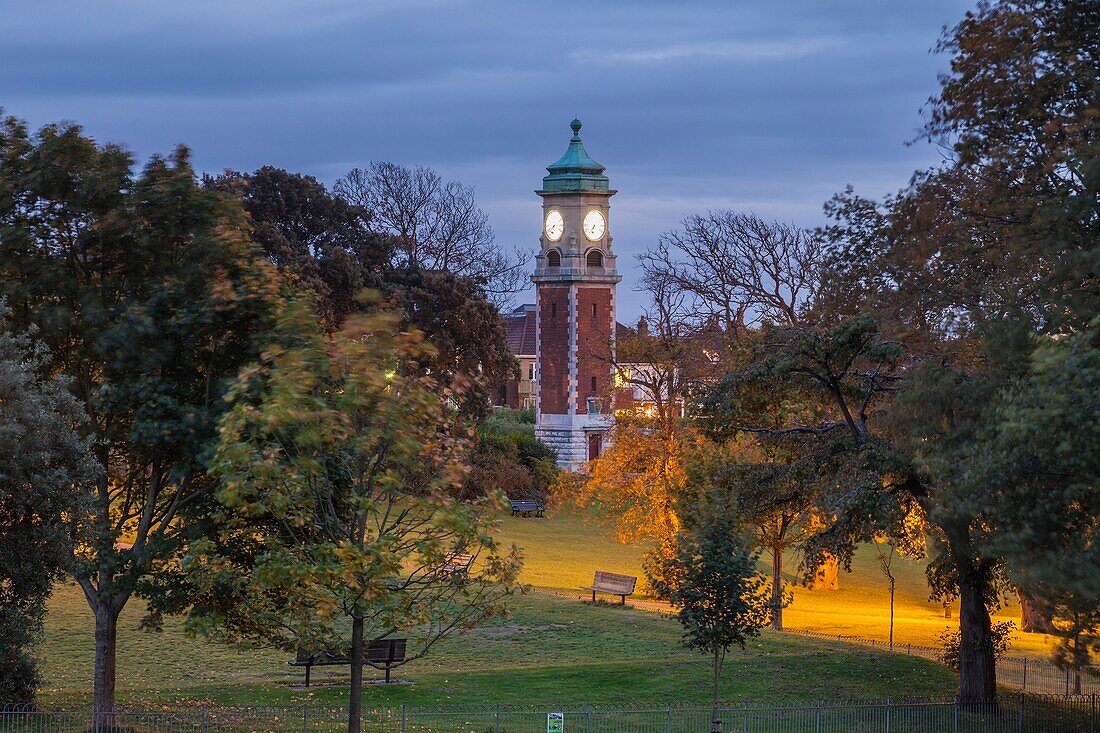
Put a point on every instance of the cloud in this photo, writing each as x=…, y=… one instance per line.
x=713, y=104
x=726, y=50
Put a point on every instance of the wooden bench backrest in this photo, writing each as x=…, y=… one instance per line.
x=378, y=650
x=525, y=505
x=614, y=582
x=386, y=650
x=459, y=560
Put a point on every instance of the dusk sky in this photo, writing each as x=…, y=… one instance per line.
x=768, y=107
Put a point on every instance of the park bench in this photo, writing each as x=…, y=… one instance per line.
x=379, y=653
x=527, y=508
x=456, y=564
x=612, y=584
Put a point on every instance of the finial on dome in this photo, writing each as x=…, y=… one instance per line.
x=576, y=126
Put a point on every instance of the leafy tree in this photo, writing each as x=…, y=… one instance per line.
x=44, y=464
x=339, y=465
x=465, y=329
x=326, y=247
x=150, y=295
x=721, y=596
x=968, y=264
x=318, y=240
x=1041, y=463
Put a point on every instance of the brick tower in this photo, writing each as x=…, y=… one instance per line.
x=575, y=280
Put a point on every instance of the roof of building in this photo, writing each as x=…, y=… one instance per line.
x=519, y=327
x=575, y=171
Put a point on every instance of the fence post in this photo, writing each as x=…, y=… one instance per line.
x=402, y=719
x=817, y=718
x=1025, y=674
x=1020, y=727
x=887, y=715
x=1067, y=681
x=955, y=714
x=668, y=727
x=587, y=719
x=203, y=713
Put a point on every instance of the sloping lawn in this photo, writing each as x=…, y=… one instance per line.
x=551, y=650
x=563, y=551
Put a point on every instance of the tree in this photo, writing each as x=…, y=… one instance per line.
x=466, y=331
x=886, y=565
x=722, y=599
x=437, y=225
x=44, y=463
x=316, y=239
x=339, y=466
x=1043, y=471
x=736, y=269
x=324, y=245
x=150, y=296
x=970, y=262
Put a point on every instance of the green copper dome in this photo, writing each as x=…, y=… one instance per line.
x=575, y=171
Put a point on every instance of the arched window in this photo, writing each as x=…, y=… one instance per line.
x=553, y=258
x=595, y=258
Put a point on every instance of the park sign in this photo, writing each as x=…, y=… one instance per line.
x=555, y=722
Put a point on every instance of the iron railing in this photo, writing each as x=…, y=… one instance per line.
x=1011, y=714
x=1035, y=676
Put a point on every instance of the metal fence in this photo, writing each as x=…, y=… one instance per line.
x=1035, y=676
x=1012, y=714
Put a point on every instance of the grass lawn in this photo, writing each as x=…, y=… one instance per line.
x=563, y=551
x=552, y=650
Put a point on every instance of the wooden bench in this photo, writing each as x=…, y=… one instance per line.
x=380, y=654
x=456, y=564
x=527, y=508
x=612, y=584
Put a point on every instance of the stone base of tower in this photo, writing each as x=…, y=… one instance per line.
x=570, y=438
x=570, y=444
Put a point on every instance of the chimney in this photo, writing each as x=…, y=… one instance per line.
x=643, y=326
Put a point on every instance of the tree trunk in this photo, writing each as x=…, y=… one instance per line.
x=355, y=704
x=892, y=584
x=977, y=666
x=827, y=577
x=715, y=725
x=777, y=587
x=1033, y=618
x=106, y=651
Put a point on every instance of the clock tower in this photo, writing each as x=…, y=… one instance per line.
x=575, y=281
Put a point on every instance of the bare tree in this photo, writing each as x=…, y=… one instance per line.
x=885, y=564
x=437, y=225
x=736, y=270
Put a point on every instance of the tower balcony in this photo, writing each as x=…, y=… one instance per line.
x=576, y=274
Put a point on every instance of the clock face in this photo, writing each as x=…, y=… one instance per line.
x=554, y=226
x=594, y=226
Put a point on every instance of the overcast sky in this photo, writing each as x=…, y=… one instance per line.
x=764, y=106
